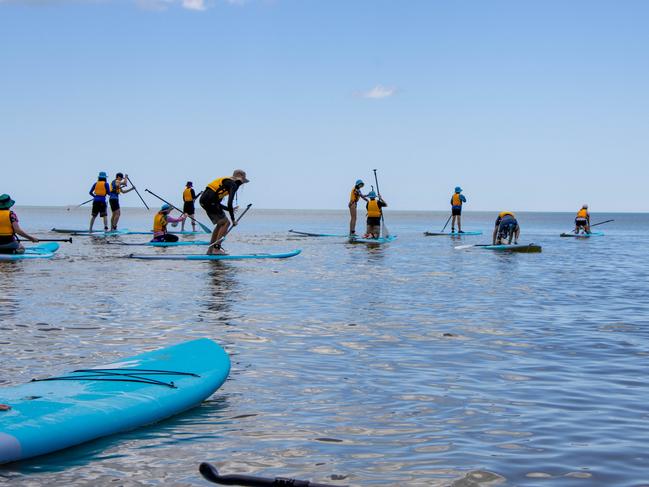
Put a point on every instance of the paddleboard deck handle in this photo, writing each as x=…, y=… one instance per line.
x=209, y=472
x=111, y=375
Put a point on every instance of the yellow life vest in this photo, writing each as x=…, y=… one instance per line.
x=217, y=187
x=373, y=209
x=100, y=188
x=354, y=197
x=6, y=227
x=187, y=195
x=583, y=213
x=503, y=214
x=160, y=222
x=456, y=200
x=116, y=187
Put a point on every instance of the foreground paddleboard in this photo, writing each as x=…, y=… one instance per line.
x=452, y=234
x=380, y=240
x=528, y=248
x=162, y=244
x=583, y=235
x=214, y=257
x=42, y=251
x=59, y=412
x=307, y=234
x=101, y=233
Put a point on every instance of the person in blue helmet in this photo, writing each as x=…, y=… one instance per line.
x=374, y=211
x=160, y=221
x=354, y=197
x=456, y=209
x=506, y=228
x=99, y=191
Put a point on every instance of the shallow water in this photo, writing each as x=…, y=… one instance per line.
x=408, y=364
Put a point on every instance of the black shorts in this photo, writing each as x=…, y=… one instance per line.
x=114, y=204
x=165, y=238
x=212, y=206
x=581, y=222
x=9, y=247
x=456, y=210
x=373, y=220
x=188, y=208
x=99, y=208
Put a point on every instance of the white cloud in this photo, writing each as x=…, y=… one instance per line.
x=379, y=92
x=194, y=4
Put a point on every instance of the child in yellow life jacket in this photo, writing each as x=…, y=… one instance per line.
x=374, y=211
x=354, y=196
x=9, y=228
x=160, y=221
x=189, y=209
x=582, y=220
x=99, y=191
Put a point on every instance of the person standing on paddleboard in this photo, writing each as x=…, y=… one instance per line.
x=374, y=211
x=189, y=209
x=116, y=187
x=211, y=203
x=160, y=221
x=9, y=228
x=353, y=205
x=583, y=219
x=99, y=191
x=506, y=227
x=456, y=209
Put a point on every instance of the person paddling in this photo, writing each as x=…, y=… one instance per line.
x=9, y=228
x=506, y=228
x=189, y=196
x=353, y=205
x=117, y=186
x=210, y=200
x=582, y=220
x=456, y=209
x=160, y=221
x=374, y=211
x=99, y=191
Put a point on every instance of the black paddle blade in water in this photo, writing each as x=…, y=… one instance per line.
x=209, y=472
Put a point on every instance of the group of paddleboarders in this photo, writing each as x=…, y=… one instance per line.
x=374, y=206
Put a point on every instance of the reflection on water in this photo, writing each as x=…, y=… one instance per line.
x=410, y=363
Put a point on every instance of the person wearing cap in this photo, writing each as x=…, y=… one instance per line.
x=118, y=186
x=506, y=227
x=374, y=211
x=354, y=196
x=456, y=209
x=9, y=228
x=189, y=196
x=160, y=221
x=583, y=219
x=210, y=200
x=99, y=191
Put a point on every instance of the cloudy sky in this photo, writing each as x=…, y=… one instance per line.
x=535, y=105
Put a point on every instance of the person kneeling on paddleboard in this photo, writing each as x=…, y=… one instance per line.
x=582, y=220
x=506, y=228
x=374, y=211
x=211, y=203
x=353, y=205
x=160, y=221
x=456, y=209
x=9, y=228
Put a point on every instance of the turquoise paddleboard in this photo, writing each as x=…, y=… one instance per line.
x=528, y=248
x=583, y=235
x=380, y=240
x=452, y=234
x=111, y=233
x=163, y=244
x=307, y=234
x=214, y=257
x=42, y=251
x=58, y=412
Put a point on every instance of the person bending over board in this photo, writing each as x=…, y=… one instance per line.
x=506, y=228
x=116, y=187
x=189, y=209
x=211, y=203
x=98, y=191
x=582, y=220
x=456, y=209
x=9, y=228
x=374, y=211
x=160, y=221
x=353, y=205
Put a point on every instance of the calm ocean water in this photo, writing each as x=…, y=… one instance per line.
x=408, y=364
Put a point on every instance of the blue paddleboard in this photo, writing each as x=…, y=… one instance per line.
x=215, y=256
x=58, y=412
x=452, y=234
x=529, y=248
x=307, y=234
x=163, y=244
x=42, y=251
x=380, y=240
x=582, y=235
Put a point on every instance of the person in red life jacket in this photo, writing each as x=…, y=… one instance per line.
x=99, y=191
x=354, y=197
x=160, y=221
x=211, y=203
x=582, y=221
x=118, y=186
x=374, y=211
x=9, y=228
x=456, y=209
x=189, y=196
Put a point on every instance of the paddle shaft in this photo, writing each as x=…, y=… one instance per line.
x=209, y=472
x=378, y=190
x=69, y=240
x=449, y=219
x=602, y=223
x=138, y=193
x=230, y=229
x=84, y=203
x=205, y=228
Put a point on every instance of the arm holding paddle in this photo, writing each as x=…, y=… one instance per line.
x=124, y=185
x=22, y=233
x=205, y=228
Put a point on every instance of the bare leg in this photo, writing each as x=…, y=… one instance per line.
x=453, y=224
x=459, y=223
x=105, y=222
x=218, y=233
x=352, y=220
x=92, y=222
x=193, y=223
x=114, y=219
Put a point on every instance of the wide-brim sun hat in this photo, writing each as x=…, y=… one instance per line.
x=360, y=182
x=102, y=174
x=6, y=202
x=240, y=174
x=371, y=194
x=458, y=189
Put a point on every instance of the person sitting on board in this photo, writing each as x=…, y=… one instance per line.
x=456, y=209
x=353, y=205
x=9, y=228
x=189, y=196
x=99, y=191
x=211, y=203
x=582, y=220
x=506, y=228
x=160, y=221
x=374, y=211
x=117, y=186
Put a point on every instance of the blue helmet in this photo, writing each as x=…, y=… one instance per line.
x=102, y=175
x=165, y=207
x=359, y=182
x=371, y=194
x=458, y=189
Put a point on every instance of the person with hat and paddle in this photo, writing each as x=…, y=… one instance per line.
x=582, y=220
x=9, y=228
x=354, y=196
x=99, y=191
x=160, y=221
x=189, y=196
x=456, y=209
x=211, y=202
x=116, y=187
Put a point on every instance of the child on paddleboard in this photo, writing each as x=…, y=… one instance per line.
x=99, y=191
x=506, y=228
x=456, y=209
x=117, y=186
x=9, y=228
x=160, y=221
x=582, y=221
x=353, y=205
x=189, y=196
x=374, y=211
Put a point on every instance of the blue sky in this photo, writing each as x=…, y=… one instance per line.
x=527, y=105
